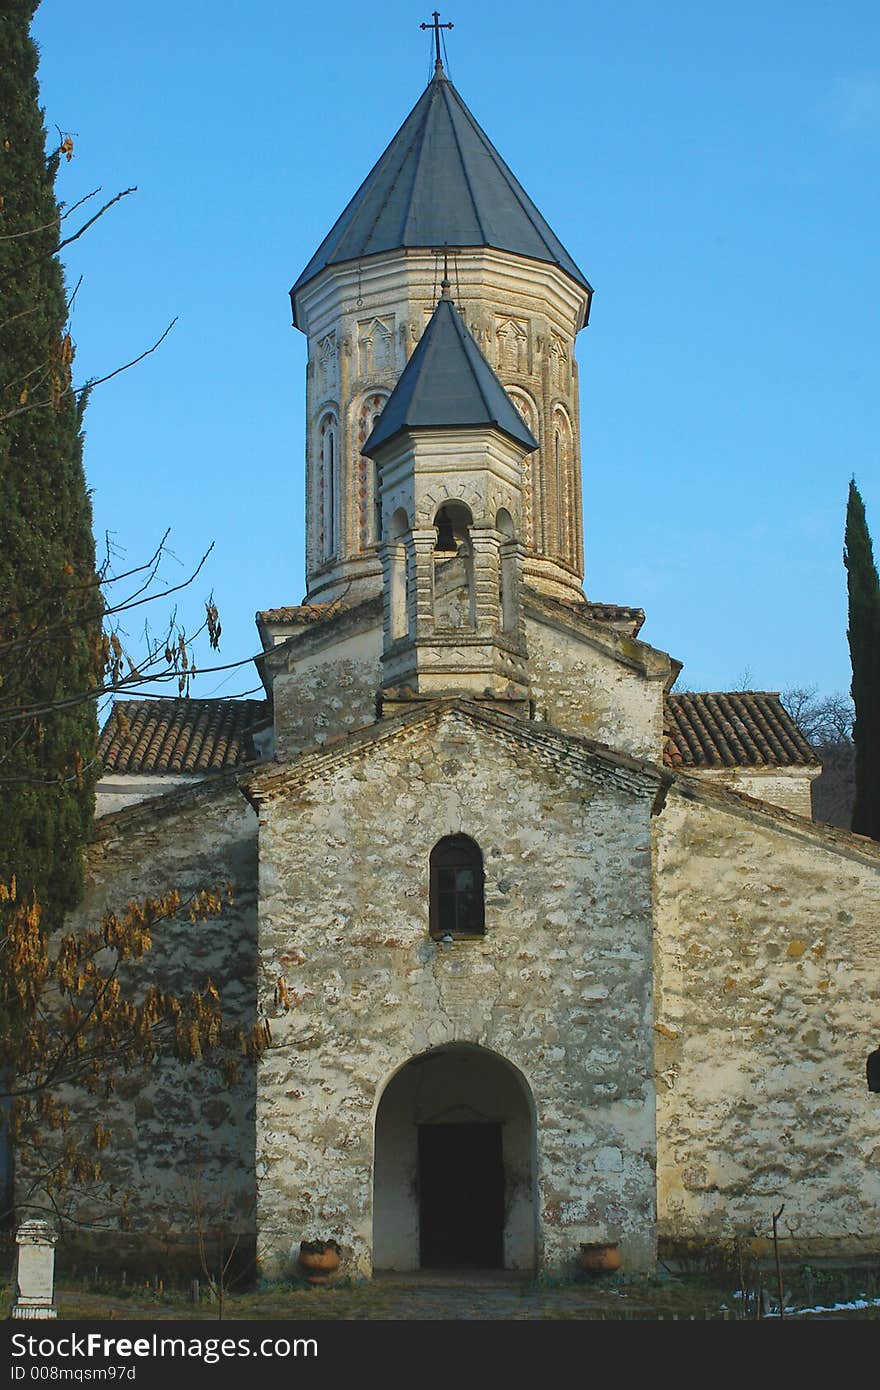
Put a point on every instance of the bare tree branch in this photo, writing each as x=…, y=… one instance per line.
x=54, y=593
x=92, y=220
x=824, y=720
x=126, y=683
x=99, y=381
x=50, y=401
x=67, y=241
x=47, y=226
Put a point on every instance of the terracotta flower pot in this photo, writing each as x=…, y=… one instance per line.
x=318, y=1259
x=600, y=1257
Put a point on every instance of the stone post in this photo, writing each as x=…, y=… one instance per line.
x=484, y=541
x=422, y=588
x=35, y=1270
x=512, y=553
x=395, y=608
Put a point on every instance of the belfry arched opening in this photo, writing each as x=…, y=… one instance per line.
x=454, y=1165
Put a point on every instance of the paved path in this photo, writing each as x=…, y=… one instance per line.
x=393, y=1301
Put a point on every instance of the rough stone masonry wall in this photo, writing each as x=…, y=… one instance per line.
x=327, y=693
x=768, y=1001
x=788, y=788
x=578, y=687
x=560, y=985
x=173, y=1125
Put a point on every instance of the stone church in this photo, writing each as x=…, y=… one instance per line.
x=550, y=952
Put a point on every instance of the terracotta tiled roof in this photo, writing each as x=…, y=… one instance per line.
x=180, y=736
x=739, y=728
x=725, y=729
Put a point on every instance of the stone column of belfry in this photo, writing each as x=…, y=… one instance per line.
x=395, y=609
x=487, y=576
x=511, y=557
x=422, y=582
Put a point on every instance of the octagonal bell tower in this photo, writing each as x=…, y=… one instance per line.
x=440, y=193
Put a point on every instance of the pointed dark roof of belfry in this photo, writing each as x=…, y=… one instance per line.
x=440, y=182
x=448, y=384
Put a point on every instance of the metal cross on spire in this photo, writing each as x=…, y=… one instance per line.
x=437, y=26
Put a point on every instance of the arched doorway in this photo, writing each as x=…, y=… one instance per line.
x=454, y=1164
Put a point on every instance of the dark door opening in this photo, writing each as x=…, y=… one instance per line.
x=461, y=1197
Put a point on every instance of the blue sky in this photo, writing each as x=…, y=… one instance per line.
x=713, y=169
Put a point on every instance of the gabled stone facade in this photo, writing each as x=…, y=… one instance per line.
x=559, y=987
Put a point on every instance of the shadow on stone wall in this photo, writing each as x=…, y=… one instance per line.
x=833, y=791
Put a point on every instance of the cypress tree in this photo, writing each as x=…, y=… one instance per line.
x=49, y=603
x=864, y=647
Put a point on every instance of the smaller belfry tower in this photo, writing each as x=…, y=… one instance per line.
x=449, y=448
x=440, y=191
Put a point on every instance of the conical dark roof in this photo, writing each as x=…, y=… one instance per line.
x=448, y=384
x=440, y=182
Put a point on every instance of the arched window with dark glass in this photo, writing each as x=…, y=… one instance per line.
x=328, y=492
x=370, y=484
x=457, y=901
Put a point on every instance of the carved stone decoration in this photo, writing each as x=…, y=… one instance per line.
x=512, y=338
x=376, y=354
x=328, y=365
x=559, y=363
